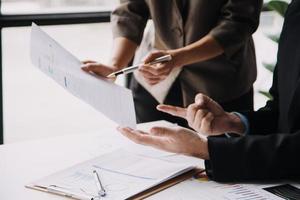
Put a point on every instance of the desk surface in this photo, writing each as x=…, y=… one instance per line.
x=22, y=163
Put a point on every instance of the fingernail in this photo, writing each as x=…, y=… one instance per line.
x=158, y=107
x=152, y=130
x=200, y=103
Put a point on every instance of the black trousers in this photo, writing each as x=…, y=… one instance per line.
x=145, y=104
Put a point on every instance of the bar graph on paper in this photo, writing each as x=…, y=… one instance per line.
x=212, y=191
x=240, y=192
x=202, y=188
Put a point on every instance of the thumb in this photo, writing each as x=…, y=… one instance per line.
x=97, y=68
x=88, y=61
x=205, y=102
x=153, y=56
x=161, y=131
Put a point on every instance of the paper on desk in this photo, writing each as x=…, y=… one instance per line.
x=194, y=189
x=110, y=99
x=122, y=174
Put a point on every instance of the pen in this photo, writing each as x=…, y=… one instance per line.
x=63, y=192
x=130, y=69
x=69, y=194
x=101, y=190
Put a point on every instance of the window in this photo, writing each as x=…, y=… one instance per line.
x=33, y=105
x=55, y=6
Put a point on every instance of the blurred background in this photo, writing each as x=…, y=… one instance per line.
x=36, y=107
x=56, y=6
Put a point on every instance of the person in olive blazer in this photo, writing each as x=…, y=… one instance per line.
x=209, y=40
x=267, y=144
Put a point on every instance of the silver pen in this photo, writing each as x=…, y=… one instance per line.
x=101, y=190
x=130, y=69
x=63, y=192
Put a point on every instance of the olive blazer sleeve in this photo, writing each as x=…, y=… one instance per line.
x=129, y=20
x=238, y=20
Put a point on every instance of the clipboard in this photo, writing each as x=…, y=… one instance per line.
x=167, y=184
x=142, y=195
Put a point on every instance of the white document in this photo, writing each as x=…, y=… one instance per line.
x=110, y=99
x=161, y=89
x=122, y=174
x=195, y=189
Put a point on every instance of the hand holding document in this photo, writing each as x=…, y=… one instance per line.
x=114, y=101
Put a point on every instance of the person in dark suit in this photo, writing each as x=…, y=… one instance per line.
x=267, y=144
x=210, y=42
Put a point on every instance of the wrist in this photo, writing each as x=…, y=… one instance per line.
x=178, y=57
x=202, y=148
x=115, y=67
x=115, y=64
x=236, y=124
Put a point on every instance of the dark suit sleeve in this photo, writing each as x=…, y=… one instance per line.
x=264, y=154
x=265, y=120
x=129, y=20
x=254, y=158
x=238, y=21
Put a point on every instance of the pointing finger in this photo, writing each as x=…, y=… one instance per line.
x=172, y=110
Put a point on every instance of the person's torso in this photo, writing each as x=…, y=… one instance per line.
x=289, y=70
x=224, y=77
x=179, y=24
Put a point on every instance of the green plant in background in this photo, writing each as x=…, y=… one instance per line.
x=279, y=6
